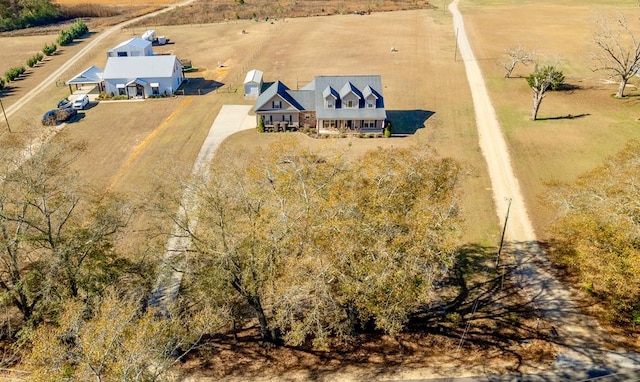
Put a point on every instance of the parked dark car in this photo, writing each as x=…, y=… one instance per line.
x=52, y=117
x=64, y=103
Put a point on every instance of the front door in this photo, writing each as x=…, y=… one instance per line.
x=349, y=125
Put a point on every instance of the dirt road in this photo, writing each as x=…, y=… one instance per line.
x=580, y=336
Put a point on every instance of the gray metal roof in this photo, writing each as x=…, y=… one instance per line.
x=348, y=83
x=136, y=42
x=312, y=96
x=140, y=66
x=91, y=75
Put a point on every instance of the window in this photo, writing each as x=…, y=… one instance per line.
x=155, y=90
x=121, y=90
x=122, y=54
x=371, y=104
x=330, y=104
x=330, y=123
x=350, y=104
x=369, y=124
x=276, y=104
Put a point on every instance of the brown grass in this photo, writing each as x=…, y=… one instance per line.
x=555, y=148
x=202, y=12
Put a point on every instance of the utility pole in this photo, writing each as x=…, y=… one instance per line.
x=4, y=113
x=504, y=229
x=455, y=52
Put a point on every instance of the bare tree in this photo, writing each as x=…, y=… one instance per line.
x=517, y=55
x=542, y=80
x=618, y=50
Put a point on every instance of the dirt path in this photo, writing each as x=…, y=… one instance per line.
x=580, y=336
x=230, y=119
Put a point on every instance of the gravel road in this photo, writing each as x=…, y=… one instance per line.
x=580, y=337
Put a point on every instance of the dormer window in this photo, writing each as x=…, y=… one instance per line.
x=330, y=104
x=276, y=105
x=371, y=103
x=350, y=104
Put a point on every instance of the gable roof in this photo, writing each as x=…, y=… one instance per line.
x=91, y=75
x=254, y=75
x=140, y=67
x=280, y=89
x=135, y=42
x=346, y=84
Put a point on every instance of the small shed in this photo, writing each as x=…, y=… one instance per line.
x=252, y=84
x=90, y=76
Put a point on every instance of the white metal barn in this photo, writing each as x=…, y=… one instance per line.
x=132, y=48
x=253, y=84
x=141, y=77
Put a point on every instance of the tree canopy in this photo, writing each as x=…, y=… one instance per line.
x=16, y=14
x=598, y=232
x=543, y=79
x=329, y=246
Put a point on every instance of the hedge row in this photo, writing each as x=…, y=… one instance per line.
x=78, y=29
x=33, y=60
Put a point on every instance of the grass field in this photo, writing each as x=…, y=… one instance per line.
x=554, y=148
x=132, y=146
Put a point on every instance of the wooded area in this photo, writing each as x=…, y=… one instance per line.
x=16, y=14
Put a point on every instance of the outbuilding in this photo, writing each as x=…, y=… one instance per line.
x=132, y=48
x=141, y=77
x=252, y=84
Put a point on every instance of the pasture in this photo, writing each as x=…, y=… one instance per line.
x=579, y=127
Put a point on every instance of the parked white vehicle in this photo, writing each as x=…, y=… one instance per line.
x=81, y=102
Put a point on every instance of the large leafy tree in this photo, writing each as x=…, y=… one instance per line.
x=319, y=246
x=598, y=231
x=56, y=241
x=543, y=79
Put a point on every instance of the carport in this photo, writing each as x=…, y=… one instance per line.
x=90, y=76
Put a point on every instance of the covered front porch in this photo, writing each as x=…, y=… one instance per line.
x=329, y=126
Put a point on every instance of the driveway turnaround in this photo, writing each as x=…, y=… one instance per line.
x=230, y=119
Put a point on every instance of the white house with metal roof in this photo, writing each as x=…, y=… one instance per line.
x=328, y=103
x=134, y=47
x=142, y=76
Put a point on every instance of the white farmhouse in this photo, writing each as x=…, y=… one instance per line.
x=132, y=48
x=142, y=76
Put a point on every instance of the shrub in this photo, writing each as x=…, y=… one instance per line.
x=14, y=73
x=78, y=29
x=49, y=49
x=65, y=38
x=387, y=130
x=32, y=61
x=39, y=57
x=261, y=125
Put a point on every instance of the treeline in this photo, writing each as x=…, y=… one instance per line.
x=17, y=14
x=310, y=247
x=597, y=237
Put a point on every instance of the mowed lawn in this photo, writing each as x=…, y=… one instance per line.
x=555, y=148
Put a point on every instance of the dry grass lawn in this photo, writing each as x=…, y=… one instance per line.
x=554, y=148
